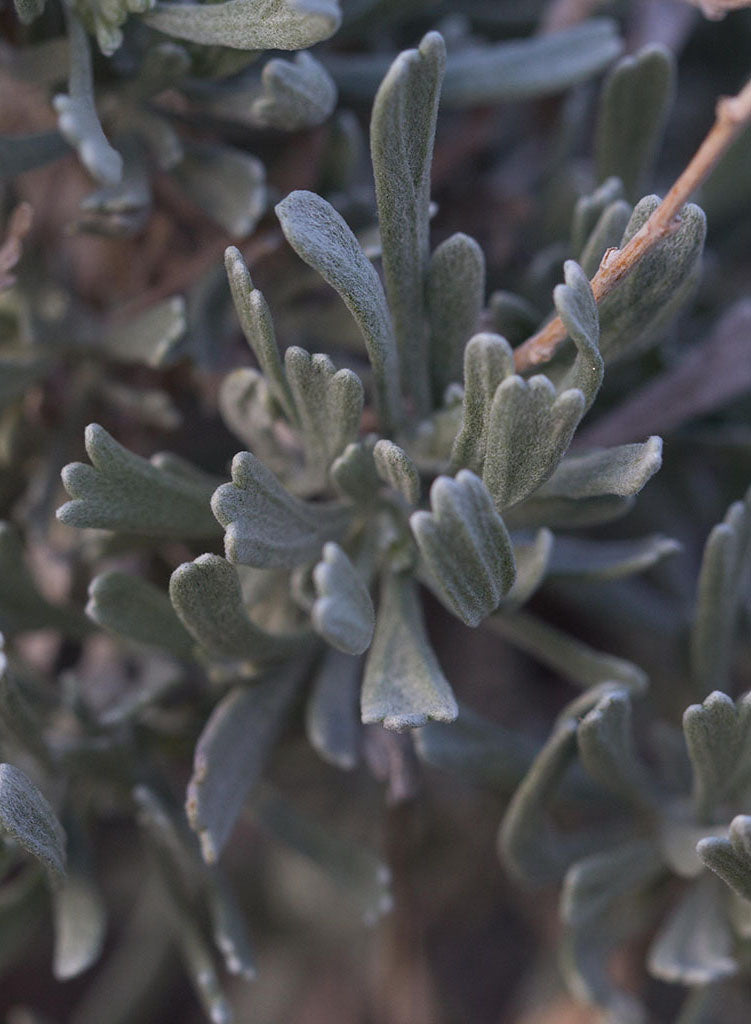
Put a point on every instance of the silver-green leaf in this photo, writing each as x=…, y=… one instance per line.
x=27, y=819
x=343, y=611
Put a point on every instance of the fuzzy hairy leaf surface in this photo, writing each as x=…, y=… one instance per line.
x=162, y=497
x=296, y=94
x=343, y=611
x=731, y=858
x=403, y=685
x=465, y=546
x=137, y=609
x=621, y=472
x=27, y=819
x=267, y=527
x=397, y=469
x=488, y=362
x=576, y=306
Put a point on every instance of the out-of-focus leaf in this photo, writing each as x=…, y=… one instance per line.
x=231, y=753
x=324, y=241
x=488, y=361
x=606, y=234
x=80, y=919
x=364, y=878
x=398, y=470
x=532, y=558
x=588, y=211
x=27, y=819
x=163, y=496
x=403, y=686
x=455, y=296
x=724, y=569
x=332, y=720
x=583, y=559
x=607, y=750
x=402, y=131
x=249, y=24
x=343, y=611
x=634, y=105
x=565, y=513
x=296, y=94
x=465, y=546
x=134, y=608
x=265, y=525
x=207, y=597
x=731, y=858
x=718, y=738
x=19, y=153
x=229, y=185
x=149, y=337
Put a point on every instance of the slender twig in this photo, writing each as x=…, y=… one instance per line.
x=733, y=113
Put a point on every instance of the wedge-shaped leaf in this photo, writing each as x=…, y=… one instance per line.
x=265, y=525
x=208, y=599
x=296, y=94
x=532, y=558
x=258, y=328
x=403, y=686
x=620, y=471
x=596, y=892
x=27, y=819
x=80, y=921
x=582, y=559
x=329, y=406
x=364, y=878
x=134, y=608
x=228, y=184
x=478, y=750
x=162, y=497
x=634, y=105
x=398, y=470
x=529, y=430
x=520, y=69
x=695, y=945
x=455, y=297
x=635, y=314
x=402, y=130
x=607, y=751
x=465, y=546
x=718, y=737
x=588, y=211
x=577, y=309
x=724, y=572
x=530, y=846
x=488, y=361
x=149, y=337
x=249, y=24
x=581, y=664
x=22, y=605
x=343, y=611
x=77, y=116
x=731, y=858
x=332, y=719
x=354, y=472
x=231, y=754
x=322, y=239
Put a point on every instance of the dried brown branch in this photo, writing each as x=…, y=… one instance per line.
x=733, y=114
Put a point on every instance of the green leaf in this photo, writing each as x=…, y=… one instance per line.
x=731, y=858
x=28, y=10
x=403, y=686
x=149, y=337
x=354, y=472
x=634, y=106
x=621, y=471
x=532, y=559
x=589, y=210
x=723, y=575
x=27, y=818
x=329, y=406
x=296, y=94
x=207, y=597
x=529, y=430
x=581, y=664
x=77, y=116
x=488, y=361
x=227, y=183
x=343, y=611
x=332, y=720
x=80, y=921
x=606, y=234
x=397, y=469
x=565, y=513
x=455, y=296
x=134, y=608
x=576, y=306
x=465, y=546
x=695, y=945
x=161, y=497
x=352, y=868
x=402, y=131
x=249, y=24
x=324, y=241
x=635, y=315
x=265, y=525
x=718, y=736
x=477, y=750
x=231, y=753
x=594, y=560
x=607, y=751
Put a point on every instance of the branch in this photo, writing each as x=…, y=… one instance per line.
x=732, y=116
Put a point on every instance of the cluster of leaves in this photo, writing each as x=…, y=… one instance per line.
x=435, y=467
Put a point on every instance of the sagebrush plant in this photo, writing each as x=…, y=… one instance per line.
x=436, y=469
